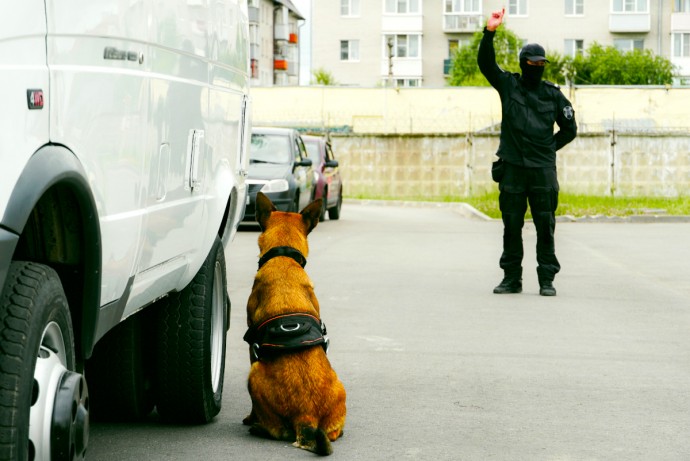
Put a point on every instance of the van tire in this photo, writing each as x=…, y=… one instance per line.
x=37, y=363
x=190, y=345
x=119, y=373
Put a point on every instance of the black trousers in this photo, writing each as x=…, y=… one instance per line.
x=538, y=187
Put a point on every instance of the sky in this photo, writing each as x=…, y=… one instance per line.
x=304, y=7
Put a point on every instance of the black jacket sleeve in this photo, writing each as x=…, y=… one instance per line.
x=486, y=59
x=566, y=123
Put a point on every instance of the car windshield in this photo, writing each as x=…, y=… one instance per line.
x=270, y=148
x=313, y=151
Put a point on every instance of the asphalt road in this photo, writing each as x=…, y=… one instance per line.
x=437, y=367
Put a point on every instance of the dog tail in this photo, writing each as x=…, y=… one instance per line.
x=313, y=439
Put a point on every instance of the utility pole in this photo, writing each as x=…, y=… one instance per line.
x=390, y=61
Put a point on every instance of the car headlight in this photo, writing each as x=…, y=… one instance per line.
x=275, y=185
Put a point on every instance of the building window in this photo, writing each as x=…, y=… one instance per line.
x=402, y=6
x=681, y=45
x=628, y=44
x=517, y=7
x=682, y=6
x=408, y=82
x=404, y=46
x=455, y=45
x=574, y=7
x=349, y=50
x=574, y=47
x=349, y=7
x=404, y=82
x=630, y=6
x=463, y=6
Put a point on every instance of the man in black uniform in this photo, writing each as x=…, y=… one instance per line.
x=527, y=154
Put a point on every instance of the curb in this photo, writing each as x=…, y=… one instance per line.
x=468, y=211
x=461, y=208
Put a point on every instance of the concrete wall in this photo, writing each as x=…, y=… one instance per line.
x=461, y=109
x=435, y=143
x=444, y=166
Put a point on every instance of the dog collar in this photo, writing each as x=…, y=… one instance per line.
x=283, y=251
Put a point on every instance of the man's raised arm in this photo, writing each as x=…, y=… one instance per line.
x=486, y=57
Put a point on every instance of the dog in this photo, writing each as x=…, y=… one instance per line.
x=296, y=395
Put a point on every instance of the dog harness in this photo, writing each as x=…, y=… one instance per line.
x=286, y=332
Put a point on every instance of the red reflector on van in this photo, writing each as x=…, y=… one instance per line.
x=35, y=99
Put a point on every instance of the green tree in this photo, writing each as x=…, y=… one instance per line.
x=464, y=70
x=323, y=77
x=609, y=66
x=597, y=66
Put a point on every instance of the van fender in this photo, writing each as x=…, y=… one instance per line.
x=50, y=166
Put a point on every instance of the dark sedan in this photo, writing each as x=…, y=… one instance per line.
x=280, y=167
x=329, y=185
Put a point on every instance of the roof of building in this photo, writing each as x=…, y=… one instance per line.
x=290, y=6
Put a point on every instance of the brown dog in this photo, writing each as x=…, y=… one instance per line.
x=296, y=395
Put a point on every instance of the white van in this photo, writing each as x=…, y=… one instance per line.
x=124, y=128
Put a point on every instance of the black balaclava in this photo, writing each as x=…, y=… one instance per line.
x=531, y=75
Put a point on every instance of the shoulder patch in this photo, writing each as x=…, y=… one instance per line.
x=568, y=112
x=554, y=85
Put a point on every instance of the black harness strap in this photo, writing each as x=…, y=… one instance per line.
x=283, y=251
x=286, y=332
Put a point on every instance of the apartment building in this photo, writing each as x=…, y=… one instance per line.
x=408, y=43
x=274, y=27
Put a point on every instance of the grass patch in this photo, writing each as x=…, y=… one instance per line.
x=578, y=205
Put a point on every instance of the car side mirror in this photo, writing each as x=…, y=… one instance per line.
x=304, y=162
x=331, y=164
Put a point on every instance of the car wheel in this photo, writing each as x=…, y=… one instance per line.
x=334, y=213
x=119, y=372
x=322, y=216
x=44, y=411
x=294, y=206
x=191, y=340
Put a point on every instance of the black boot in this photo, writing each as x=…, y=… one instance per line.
x=546, y=288
x=509, y=284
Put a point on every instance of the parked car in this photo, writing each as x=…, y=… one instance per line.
x=123, y=160
x=280, y=167
x=328, y=182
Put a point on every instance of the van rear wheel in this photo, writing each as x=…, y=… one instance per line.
x=120, y=373
x=45, y=404
x=190, y=350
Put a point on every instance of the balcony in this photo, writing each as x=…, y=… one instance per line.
x=680, y=22
x=292, y=38
x=253, y=15
x=281, y=32
x=292, y=68
x=462, y=23
x=403, y=67
x=280, y=64
x=398, y=23
x=254, y=51
x=630, y=22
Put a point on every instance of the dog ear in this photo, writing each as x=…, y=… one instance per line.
x=264, y=208
x=311, y=213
